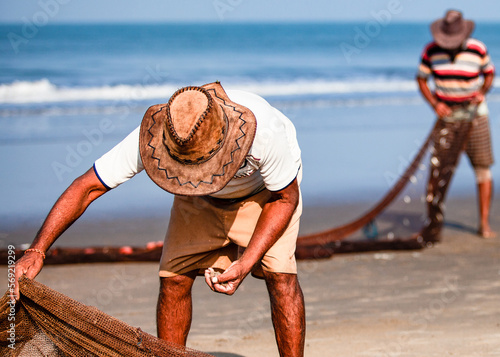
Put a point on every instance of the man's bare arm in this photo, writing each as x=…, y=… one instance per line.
x=272, y=223
x=441, y=109
x=487, y=83
x=67, y=209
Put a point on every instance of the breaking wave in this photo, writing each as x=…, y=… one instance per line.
x=43, y=91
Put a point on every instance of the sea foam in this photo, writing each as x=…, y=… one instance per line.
x=43, y=91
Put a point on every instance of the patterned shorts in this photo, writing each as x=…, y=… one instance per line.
x=479, y=148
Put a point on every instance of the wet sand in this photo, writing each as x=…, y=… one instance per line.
x=439, y=301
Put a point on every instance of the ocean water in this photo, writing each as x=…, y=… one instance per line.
x=68, y=93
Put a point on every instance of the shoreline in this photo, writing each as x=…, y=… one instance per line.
x=127, y=229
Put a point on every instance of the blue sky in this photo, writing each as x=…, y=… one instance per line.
x=55, y=11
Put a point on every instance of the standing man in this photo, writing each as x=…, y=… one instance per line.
x=457, y=62
x=233, y=163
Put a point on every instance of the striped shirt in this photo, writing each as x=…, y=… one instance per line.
x=456, y=79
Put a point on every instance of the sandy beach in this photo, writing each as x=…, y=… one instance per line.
x=439, y=301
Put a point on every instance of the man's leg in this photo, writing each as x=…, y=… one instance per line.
x=288, y=312
x=479, y=150
x=174, y=309
x=485, y=194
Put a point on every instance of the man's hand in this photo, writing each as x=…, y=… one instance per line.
x=442, y=110
x=272, y=223
x=479, y=98
x=487, y=83
x=227, y=282
x=30, y=265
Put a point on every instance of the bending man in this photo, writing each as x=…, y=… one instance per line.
x=233, y=163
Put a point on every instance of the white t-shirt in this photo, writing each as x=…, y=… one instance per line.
x=272, y=162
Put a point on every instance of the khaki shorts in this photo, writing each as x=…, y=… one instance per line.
x=203, y=234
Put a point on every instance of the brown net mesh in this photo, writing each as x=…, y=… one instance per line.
x=438, y=156
x=45, y=322
x=449, y=140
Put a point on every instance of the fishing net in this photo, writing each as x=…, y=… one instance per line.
x=45, y=323
x=411, y=214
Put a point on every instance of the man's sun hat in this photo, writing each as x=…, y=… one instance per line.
x=194, y=144
x=452, y=30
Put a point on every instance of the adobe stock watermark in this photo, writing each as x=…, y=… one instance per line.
x=364, y=35
x=257, y=315
x=48, y=9
x=224, y=6
x=118, y=286
x=419, y=322
x=404, y=164
x=11, y=278
x=75, y=154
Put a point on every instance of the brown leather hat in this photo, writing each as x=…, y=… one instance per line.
x=195, y=144
x=452, y=30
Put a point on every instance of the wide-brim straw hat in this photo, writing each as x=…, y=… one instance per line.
x=194, y=144
x=452, y=30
